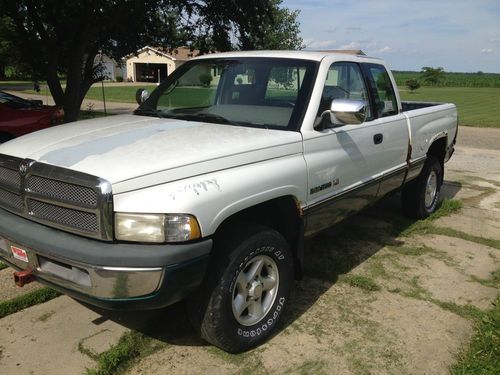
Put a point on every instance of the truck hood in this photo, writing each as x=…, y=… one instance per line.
x=129, y=147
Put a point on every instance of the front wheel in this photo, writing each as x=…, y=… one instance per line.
x=421, y=196
x=246, y=291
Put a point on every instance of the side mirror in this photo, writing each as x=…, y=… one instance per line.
x=141, y=95
x=348, y=111
x=37, y=103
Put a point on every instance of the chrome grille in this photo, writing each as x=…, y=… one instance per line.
x=65, y=216
x=58, y=197
x=62, y=190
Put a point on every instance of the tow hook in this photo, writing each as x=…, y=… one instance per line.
x=21, y=278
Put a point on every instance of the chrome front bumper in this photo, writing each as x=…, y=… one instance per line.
x=95, y=281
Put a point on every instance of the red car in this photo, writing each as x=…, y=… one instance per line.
x=20, y=116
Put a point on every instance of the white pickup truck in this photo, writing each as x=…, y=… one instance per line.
x=209, y=189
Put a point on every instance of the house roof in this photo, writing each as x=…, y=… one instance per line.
x=176, y=54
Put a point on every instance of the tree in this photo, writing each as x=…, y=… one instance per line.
x=282, y=33
x=61, y=39
x=412, y=85
x=432, y=75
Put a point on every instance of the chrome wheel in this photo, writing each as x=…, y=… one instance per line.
x=255, y=290
x=431, y=189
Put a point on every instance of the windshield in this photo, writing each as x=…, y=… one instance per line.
x=258, y=92
x=14, y=101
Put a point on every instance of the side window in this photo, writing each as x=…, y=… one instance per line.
x=344, y=81
x=383, y=92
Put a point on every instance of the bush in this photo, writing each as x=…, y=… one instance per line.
x=205, y=79
x=119, y=79
x=412, y=85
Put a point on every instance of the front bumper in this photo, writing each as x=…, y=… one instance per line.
x=108, y=275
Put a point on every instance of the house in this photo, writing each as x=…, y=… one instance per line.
x=110, y=68
x=154, y=64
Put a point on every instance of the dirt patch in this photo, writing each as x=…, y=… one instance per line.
x=39, y=341
x=9, y=290
x=429, y=337
x=471, y=258
x=179, y=360
x=474, y=221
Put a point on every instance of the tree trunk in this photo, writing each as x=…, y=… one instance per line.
x=71, y=111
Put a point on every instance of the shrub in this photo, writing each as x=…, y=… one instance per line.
x=412, y=85
x=205, y=79
x=119, y=79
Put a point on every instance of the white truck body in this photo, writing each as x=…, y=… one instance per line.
x=298, y=181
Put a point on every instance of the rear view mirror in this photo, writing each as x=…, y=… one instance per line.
x=348, y=111
x=141, y=95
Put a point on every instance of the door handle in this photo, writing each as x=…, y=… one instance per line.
x=378, y=138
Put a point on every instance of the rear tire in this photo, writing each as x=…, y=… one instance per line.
x=246, y=289
x=420, y=197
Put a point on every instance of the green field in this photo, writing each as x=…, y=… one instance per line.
x=476, y=106
x=453, y=79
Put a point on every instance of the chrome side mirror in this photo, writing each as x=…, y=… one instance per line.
x=348, y=111
x=141, y=95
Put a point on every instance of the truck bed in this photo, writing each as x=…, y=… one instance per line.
x=410, y=106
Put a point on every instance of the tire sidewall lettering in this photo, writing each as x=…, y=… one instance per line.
x=263, y=327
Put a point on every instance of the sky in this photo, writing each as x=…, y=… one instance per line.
x=458, y=35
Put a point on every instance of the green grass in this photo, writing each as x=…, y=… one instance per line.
x=493, y=282
x=482, y=356
x=3, y=266
x=360, y=281
x=30, y=299
x=447, y=207
x=476, y=106
x=453, y=79
x=131, y=346
x=6, y=85
x=122, y=94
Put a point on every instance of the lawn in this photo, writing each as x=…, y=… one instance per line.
x=476, y=106
x=122, y=94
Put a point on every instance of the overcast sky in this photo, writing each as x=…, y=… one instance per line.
x=459, y=35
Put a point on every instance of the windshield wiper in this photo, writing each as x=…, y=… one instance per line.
x=209, y=117
x=148, y=112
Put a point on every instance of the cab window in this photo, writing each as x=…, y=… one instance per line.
x=383, y=93
x=344, y=81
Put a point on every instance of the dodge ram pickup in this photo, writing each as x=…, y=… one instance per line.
x=208, y=191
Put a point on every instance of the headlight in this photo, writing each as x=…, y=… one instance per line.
x=156, y=227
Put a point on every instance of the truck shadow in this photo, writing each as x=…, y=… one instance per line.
x=328, y=256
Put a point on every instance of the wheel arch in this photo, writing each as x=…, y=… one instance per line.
x=282, y=214
x=438, y=149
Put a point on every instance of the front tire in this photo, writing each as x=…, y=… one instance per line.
x=245, y=291
x=421, y=196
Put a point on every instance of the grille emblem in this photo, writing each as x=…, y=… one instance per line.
x=23, y=168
